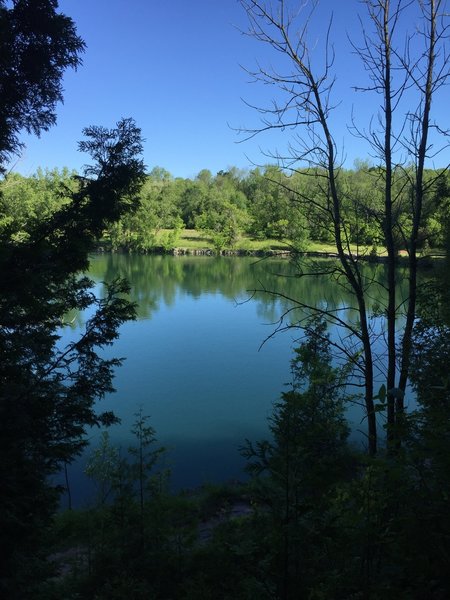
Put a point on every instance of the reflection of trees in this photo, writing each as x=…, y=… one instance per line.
x=320, y=287
x=156, y=279
x=142, y=275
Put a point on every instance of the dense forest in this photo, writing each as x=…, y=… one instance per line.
x=319, y=519
x=234, y=205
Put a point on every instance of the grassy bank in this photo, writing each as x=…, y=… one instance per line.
x=195, y=240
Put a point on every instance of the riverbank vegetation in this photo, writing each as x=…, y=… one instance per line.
x=242, y=211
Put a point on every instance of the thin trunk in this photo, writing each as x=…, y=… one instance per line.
x=354, y=278
x=69, y=493
x=349, y=265
x=287, y=492
x=417, y=210
x=388, y=229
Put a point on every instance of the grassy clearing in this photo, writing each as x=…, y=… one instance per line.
x=193, y=239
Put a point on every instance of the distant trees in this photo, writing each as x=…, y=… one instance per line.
x=266, y=203
x=261, y=203
x=274, y=214
x=24, y=201
x=223, y=213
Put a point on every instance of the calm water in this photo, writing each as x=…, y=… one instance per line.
x=194, y=360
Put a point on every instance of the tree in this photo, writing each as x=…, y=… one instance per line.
x=302, y=464
x=194, y=199
x=37, y=44
x=223, y=215
x=48, y=392
x=145, y=458
x=400, y=141
x=273, y=213
x=26, y=200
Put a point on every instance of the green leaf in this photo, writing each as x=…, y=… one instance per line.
x=382, y=394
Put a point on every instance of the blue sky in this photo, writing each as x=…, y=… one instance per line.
x=174, y=66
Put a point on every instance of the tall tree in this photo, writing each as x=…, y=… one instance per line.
x=47, y=391
x=403, y=131
x=305, y=102
x=37, y=44
x=305, y=460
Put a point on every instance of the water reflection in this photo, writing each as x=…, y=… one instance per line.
x=156, y=279
x=193, y=360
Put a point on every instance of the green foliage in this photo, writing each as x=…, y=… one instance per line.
x=298, y=470
x=334, y=524
x=159, y=208
x=104, y=467
x=193, y=200
x=136, y=535
x=325, y=524
x=48, y=392
x=325, y=521
x=145, y=459
x=273, y=206
x=169, y=239
x=26, y=201
x=37, y=44
x=116, y=474
x=223, y=215
x=264, y=204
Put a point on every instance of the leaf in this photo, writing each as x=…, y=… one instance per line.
x=382, y=394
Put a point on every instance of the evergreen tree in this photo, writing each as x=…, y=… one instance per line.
x=48, y=392
x=37, y=44
x=299, y=469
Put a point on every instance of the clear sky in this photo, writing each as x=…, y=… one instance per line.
x=174, y=66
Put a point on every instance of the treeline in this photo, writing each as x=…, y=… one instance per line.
x=263, y=203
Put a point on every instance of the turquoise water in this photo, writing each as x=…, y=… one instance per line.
x=196, y=361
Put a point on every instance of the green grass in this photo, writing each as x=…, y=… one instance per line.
x=193, y=239
x=331, y=248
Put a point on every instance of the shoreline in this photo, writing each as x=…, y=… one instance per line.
x=425, y=259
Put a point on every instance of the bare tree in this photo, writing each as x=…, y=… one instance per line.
x=399, y=141
x=402, y=79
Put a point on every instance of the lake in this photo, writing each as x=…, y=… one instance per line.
x=201, y=359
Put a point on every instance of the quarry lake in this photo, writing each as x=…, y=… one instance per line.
x=195, y=358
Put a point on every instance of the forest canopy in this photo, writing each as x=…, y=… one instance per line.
x=260, y=203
